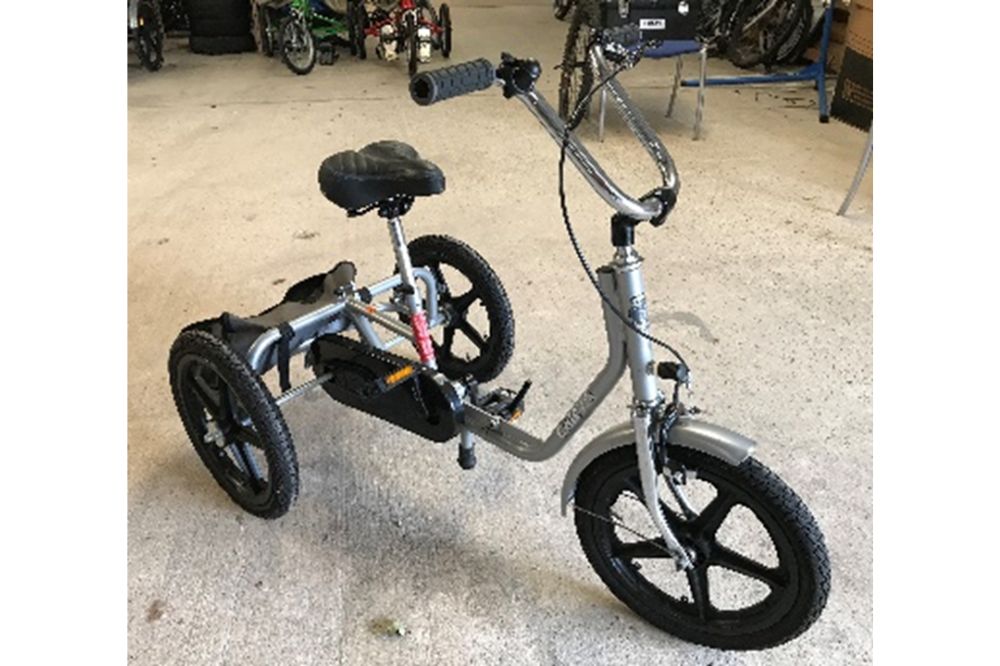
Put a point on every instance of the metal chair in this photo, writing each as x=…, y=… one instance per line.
x=671, y=49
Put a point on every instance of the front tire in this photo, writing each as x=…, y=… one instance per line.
x=234, y=424
x=636, y=570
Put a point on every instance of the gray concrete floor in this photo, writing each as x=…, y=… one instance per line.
x=765, y=289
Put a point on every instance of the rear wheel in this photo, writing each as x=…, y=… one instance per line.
x=234, y=424
x=577, y=77
x=298, y=48
x=761, y=574
x=478, y=334
x=444, y=20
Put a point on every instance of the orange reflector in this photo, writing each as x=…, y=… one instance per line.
x=399, y=375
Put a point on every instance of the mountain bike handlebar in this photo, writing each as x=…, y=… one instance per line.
x=518, y=79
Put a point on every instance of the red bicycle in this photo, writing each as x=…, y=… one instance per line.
x=409, y=27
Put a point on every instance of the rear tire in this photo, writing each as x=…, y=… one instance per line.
x=485, y=299
x=797, y=586
x=234, y=424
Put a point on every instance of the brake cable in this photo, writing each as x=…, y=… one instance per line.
x=574, y=119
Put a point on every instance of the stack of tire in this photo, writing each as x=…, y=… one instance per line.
x=220, y=26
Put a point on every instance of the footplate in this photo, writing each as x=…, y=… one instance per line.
x=391, y=387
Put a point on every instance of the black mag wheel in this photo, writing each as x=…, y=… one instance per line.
x=577, y=76
x=234, y=424
x=149, y=35
x=760, y=28
x=444, y=21
x=298, y=48
x=478, y=336
x=762, y=572
x=410, y=23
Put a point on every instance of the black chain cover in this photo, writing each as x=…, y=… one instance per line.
x=391, y=387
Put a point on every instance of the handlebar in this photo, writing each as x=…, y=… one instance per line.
x=441, y=84
x=518, y=79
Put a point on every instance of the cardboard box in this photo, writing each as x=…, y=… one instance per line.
x=853, y=100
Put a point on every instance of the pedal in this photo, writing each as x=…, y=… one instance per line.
x=505, y=403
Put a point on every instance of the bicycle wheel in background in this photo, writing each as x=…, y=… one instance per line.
x=577, y=76
x=760, y=28
x=798, y=41
x=149, y=35
x=560, y=8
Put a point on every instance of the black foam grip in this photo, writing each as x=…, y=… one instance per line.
x=440, y=84
x=626, y=35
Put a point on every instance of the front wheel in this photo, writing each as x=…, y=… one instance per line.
x=298, y=49
x=761, y=574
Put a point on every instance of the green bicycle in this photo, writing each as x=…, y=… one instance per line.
x=307, y=23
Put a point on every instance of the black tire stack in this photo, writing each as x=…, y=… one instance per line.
x=220, y=26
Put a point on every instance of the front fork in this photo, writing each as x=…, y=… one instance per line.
x=645, y=453
x=632, y=301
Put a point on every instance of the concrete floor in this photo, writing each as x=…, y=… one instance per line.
x=766, y=291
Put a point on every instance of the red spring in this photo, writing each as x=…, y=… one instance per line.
x=425, y=347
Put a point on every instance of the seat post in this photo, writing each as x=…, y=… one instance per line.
x=418, y=320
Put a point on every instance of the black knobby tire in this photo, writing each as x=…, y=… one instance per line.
x=577, y=76
x=760, y=28
x=496, y=346
x=149, y=35
x=410, y=25
x=444, y=20
x=560, y=8
x=295, y=30
x=218, y=396
x=798, y=585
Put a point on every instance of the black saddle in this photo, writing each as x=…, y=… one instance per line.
x=379, y=171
